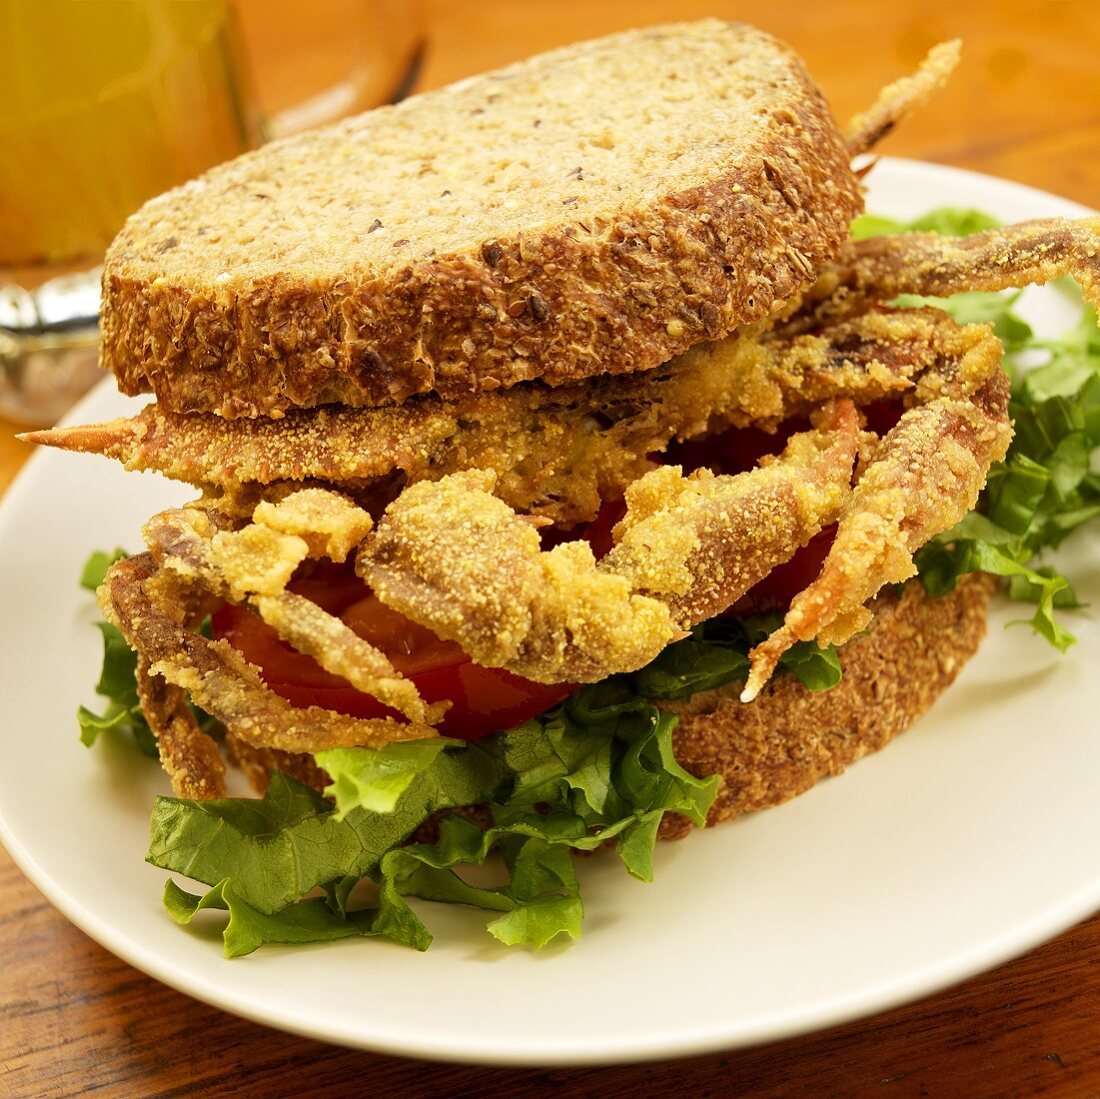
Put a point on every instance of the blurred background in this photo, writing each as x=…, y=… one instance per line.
x=104, y=104
x=1024, y=103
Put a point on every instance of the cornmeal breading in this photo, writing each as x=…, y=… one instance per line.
x=556, y=452
x=222, y=682
x=880, y=268
x=454, y=558
x=898, y=100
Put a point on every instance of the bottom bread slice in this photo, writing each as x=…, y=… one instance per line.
x=778, y=746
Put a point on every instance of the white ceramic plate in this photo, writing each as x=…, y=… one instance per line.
x=959, y=847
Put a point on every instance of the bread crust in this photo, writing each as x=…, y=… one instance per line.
x=214, y=302
x=778, y=746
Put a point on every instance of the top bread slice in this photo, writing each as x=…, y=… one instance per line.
x=595, y=209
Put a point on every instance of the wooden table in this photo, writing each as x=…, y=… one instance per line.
x=1026, y=105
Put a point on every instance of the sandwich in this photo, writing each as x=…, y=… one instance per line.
x=563, y=463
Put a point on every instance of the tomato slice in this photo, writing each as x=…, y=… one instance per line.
x=413, y=649
x=485, y=700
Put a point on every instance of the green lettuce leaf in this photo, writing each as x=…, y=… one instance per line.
x=95, y=568
x=1043, y=491
x=117, y=684
x=540, y=901
x=598, y=770
x=305, y=922
x=278, y=848
x=692, y=665
x=948, y=221
x=375, y=779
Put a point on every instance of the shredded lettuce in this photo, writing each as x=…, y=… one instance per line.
x=309, y=921
x=598, y=770
x=376, y=780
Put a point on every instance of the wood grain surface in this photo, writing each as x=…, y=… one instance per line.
x=1026, y=105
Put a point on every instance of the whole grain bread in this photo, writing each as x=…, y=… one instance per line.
x=778, y=746
x=595, y=209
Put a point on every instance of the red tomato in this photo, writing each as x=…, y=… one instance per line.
x=784, y=582
x=598, y=533
x=485, y=700
x=740, y=449
x=882, y=415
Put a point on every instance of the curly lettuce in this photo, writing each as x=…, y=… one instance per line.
x=597, y=771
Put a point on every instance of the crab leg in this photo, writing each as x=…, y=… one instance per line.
x=253, y=565
x=456, y=559
x=924, y=476
x=898, y=100
x=189, y=757
x=221, y=681
x=557, y=452
x=880, y=268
